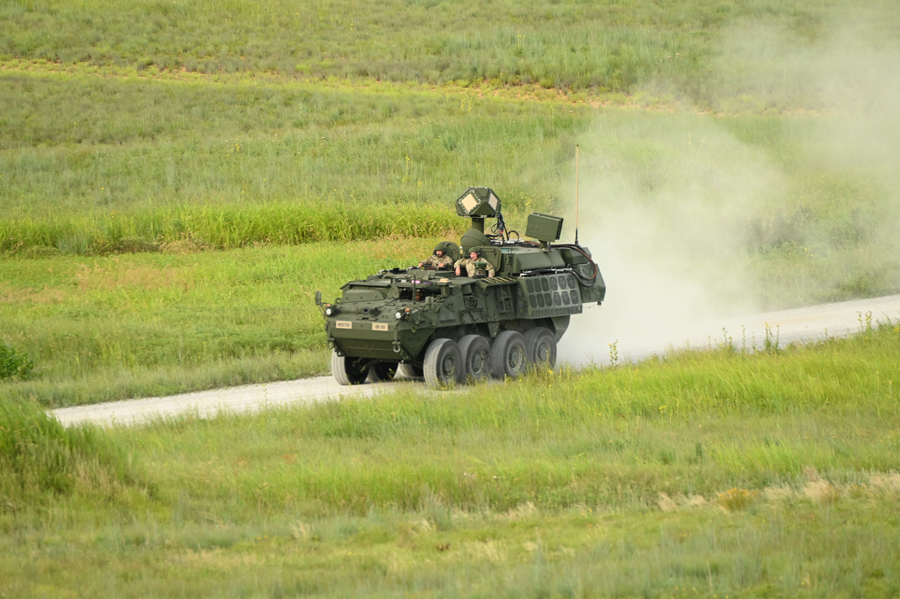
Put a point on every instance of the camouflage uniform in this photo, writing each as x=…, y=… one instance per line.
x=438, y=261
x=471, y=270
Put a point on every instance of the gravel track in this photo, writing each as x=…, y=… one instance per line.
x=801, y=324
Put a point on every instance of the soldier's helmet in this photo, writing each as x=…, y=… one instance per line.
x=449, y=248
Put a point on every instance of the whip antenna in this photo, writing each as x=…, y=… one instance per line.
x=576, y=194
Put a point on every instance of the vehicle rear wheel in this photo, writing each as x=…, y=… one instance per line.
x=508, y=356
x=443, y=364
x=347, y=370
x=540, y=347
x=476, y=357
x=382, y=371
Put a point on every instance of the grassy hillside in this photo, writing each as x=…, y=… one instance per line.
x=568, y=45
x=154, y=157
x=178, y=178
x=701, y=474
x=232, y=164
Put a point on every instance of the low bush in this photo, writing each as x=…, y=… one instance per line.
x=13, y=363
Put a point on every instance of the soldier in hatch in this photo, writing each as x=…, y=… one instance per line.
x=439, y=259
x=471, y=268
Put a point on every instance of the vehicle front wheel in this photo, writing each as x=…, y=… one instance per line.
x=347, y=370
x=540, y=347
x=508, y=358
x=476, y=357
x=443, y=364
x=382, y=371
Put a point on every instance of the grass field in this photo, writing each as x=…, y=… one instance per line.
x=563, y=45
x=177, y=179
x=158, y=323
x=702, y=474
x=177, y=246
x=109, y=165
x=149, y=324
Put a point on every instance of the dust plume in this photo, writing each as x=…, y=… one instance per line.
x=668, y=236
x=689, y=223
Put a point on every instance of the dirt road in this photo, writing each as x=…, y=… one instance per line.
x=789, y=326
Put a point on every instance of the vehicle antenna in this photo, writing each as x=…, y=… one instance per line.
x=576, y=194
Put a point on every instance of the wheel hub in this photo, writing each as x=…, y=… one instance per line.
x=516, y=358
x=448, y=366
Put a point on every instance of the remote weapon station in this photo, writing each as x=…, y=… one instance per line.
x=450, y=328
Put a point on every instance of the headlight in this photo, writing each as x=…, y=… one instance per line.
x=330, y=311
x=398, y=315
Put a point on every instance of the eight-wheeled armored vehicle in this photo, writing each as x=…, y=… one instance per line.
x=450, y=328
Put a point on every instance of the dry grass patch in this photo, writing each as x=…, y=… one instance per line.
x=31, y=295
x=117, y=274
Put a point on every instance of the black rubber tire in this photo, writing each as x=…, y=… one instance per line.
x=346, y=370
x=410, y=371
x=382, y=371
x=443, y=364
x=476, y=357
x=508, y=356
x=540, y=348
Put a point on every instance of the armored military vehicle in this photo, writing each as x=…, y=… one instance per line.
x=451, y=327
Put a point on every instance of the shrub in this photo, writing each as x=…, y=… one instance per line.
x=736, y=499
x=13, y=363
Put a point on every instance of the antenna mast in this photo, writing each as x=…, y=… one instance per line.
x=576, y=194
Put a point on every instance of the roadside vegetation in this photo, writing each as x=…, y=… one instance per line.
x=41, y=461
x=695, y=474
x=14, y=363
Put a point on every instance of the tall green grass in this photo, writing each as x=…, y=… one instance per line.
x=707, y=473
x=14, y=363
x=691, y=423
x=602, y=46
x=787, y=549
x=41, y=461
x=218, y=227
